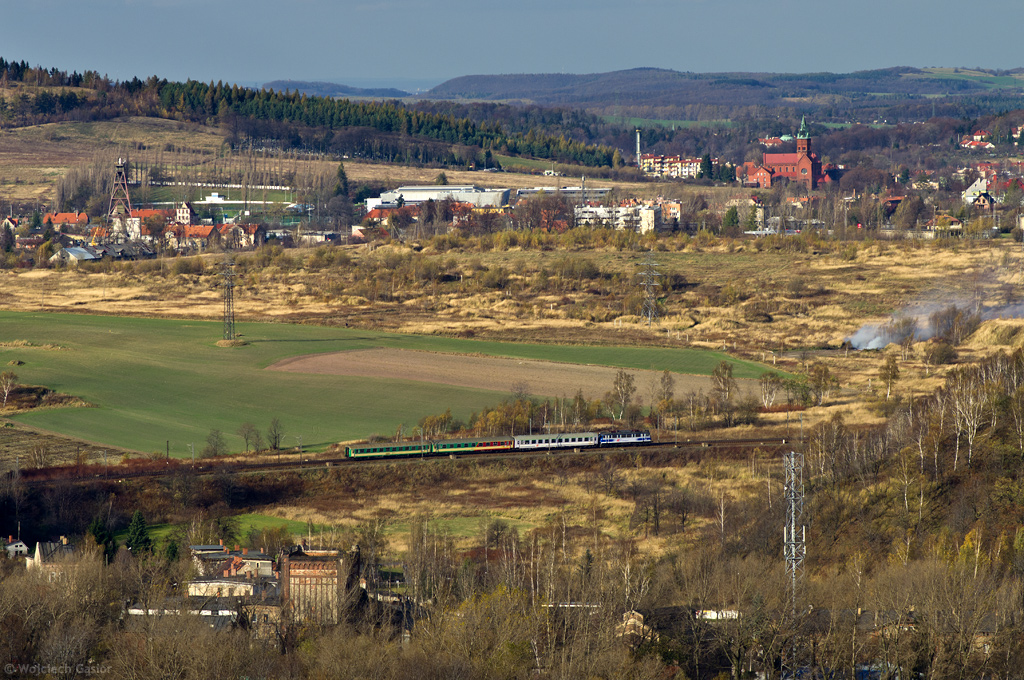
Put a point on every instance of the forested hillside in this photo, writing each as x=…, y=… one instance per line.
x=384, y=130
x=322, y=89
x=892, y=94
x=455, y=133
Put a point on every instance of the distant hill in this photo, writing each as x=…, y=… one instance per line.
x=322, y=89
x=660, y=87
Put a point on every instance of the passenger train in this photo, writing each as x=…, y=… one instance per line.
x=523, y=442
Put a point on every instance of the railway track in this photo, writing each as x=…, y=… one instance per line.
x=95, y=474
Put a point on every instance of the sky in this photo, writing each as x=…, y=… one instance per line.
x=417, y=44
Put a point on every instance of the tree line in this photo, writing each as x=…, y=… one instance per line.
x=290, y=119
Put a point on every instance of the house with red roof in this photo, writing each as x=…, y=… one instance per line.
x=145, y=213
x=987, y=168
x=191, y=236
x=378, y=215
x=66, y=219
x=1002, y=187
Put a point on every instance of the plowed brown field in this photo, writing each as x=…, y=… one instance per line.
x=545, y=378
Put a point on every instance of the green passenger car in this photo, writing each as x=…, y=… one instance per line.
x=382, y=450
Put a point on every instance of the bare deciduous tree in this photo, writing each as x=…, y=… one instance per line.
x=8, y=381
x=623, y=389
x=771, y=383
x=725, y=384
x=967, y=397
x=249, y=435
x=275, y=434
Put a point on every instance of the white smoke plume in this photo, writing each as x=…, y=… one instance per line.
x=917, y=318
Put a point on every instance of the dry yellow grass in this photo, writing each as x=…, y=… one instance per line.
x=538, y=502
x=33, y=158
x=882, y=278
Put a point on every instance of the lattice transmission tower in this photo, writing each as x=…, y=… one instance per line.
x=794, y=533
x=650, y=282
x=228, y=272
x=794, y=541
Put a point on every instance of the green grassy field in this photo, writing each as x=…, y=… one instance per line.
x=153, y=381
x=527, y=163
x=456, y=527
x=978, y=77
x=256, y=196
x=244, y=524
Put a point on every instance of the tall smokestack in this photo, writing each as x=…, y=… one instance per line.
x=638, y=147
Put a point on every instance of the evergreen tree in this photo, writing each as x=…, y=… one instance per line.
x=138, y=540
x=751, y=223
x=103, y=537
x=732, y=217
x=706, y=169
x=341, y=188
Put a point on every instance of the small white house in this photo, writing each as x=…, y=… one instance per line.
x=15, y=548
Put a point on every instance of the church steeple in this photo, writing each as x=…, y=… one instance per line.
x=803, y=139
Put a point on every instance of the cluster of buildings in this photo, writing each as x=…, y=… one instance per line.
x=803, y=167
x=175, y=229
x=129, y=233
x=981, y=139
x=675, y=167
x=978, y=141
x=246, y=588
x=590, y=205
x=138, y=235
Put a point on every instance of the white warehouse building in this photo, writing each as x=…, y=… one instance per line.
x=414, y=195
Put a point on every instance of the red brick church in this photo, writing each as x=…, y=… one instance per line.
x=803, y=167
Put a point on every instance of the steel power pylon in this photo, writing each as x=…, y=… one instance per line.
x=794, y=533
x=228, y=272
x=794, y=538
x=649, y=276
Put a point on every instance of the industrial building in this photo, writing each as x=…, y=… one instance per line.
x=415, y=195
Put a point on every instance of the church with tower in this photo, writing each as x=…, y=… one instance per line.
x=803, y=167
